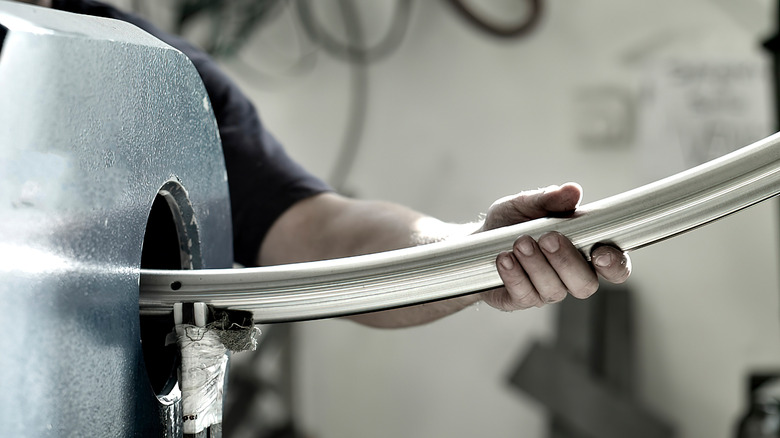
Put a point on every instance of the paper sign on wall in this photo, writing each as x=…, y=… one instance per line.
x=695, y=110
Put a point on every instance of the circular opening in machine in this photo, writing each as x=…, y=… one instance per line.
x=170, y=242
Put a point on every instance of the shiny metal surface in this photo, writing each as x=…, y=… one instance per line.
x=329, y=288
x=95, y=117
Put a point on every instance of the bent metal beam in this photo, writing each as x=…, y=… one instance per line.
x=338, y=287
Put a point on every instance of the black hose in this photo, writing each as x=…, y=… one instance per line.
x=503, y=31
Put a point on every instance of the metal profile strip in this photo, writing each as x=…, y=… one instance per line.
x=338, y=287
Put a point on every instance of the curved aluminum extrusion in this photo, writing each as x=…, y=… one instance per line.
x=630, y=220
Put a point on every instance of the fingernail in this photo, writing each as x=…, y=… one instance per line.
x=603, y=260
x=506, y=261
x=549, y=243
x=526, y=247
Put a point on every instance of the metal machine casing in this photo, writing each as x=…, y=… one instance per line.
x=96, y=117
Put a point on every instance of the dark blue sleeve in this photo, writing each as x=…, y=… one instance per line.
x=263, y=180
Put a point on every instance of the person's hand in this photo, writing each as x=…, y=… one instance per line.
x=537, y=273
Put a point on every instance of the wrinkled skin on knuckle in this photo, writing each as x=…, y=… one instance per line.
x=527, y=301
x=563, y=261
x=506, y=301
x=556, y=297
x=522, y=296
x=519, y=287
x=507, y=211
x=587, y=289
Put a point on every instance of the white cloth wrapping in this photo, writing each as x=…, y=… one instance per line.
x=203, y=365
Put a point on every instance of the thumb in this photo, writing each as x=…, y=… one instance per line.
x=560, y=199
x=552, y=199
x=533, y=204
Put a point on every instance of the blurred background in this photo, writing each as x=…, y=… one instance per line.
x=446, y=106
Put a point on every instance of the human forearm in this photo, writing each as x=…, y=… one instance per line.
x=330, y=226
x=535, y=273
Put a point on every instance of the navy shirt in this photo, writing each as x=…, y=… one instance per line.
x=262, y=179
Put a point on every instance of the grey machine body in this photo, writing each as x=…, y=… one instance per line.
x=97, y=120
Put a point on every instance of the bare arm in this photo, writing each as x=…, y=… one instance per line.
x=330, y=226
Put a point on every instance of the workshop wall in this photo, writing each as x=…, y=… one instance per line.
x=454, y=119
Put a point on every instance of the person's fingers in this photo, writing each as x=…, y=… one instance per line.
x=537, y=273
x=561, y=199
x=533, y=204
x=554, y=199
x=546, y=280
x=611, y=263
x=571, y=267
x=518, y=291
